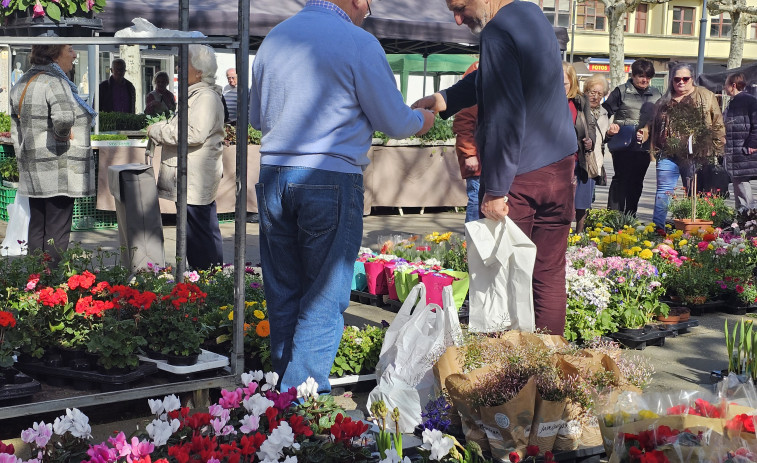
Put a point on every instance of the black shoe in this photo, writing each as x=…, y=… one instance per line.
x=252, y=217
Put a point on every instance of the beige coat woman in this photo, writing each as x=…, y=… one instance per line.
x=205, y=135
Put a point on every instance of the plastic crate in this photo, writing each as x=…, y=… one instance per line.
x=225, y=217
x=7, y=196
x=87, y=217
x=6, y=151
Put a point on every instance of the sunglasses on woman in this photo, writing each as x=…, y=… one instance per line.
x=681, y=79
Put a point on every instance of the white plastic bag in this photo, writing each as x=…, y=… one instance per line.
x=501, y=265
x=419, y=334
x=17, y=231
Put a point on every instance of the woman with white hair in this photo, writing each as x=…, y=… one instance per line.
x=204, y=165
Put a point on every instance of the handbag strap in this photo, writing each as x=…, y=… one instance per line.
x=23, y=93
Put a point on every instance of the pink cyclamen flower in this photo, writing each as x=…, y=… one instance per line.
x=38, y=10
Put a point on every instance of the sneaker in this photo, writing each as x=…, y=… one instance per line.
x=252, y=217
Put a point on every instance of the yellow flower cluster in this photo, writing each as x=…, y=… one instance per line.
x=437, y=238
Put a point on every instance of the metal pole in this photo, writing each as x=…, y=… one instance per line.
x=573, y=29
x=702, y=32
x=92, y=54
x=240, y=211
x=425, y=68
x=181, y=161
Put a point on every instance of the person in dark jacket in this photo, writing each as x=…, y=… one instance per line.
x=741, y=139
x=631, y=104
x=117, y=94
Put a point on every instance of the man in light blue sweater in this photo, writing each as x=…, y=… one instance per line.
x=321, y=86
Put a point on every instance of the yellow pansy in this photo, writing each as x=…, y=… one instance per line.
x=648, y=415
x=259, y=314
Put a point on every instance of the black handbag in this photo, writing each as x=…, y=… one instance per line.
x=624, y=139
x=713, y=178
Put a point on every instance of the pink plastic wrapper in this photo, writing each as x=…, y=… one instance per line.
x=435, y=282
x=374, y=271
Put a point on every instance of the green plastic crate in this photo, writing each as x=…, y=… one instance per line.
x=225, y=217
x=7, y=196
x=6, y=151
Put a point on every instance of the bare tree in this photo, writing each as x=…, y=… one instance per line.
x=742, y=16
x=616, y=10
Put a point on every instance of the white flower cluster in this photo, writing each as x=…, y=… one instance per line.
x=439, y=444
x=161, y=429
x=75, y=422
x=588, y=287
x=273, y=448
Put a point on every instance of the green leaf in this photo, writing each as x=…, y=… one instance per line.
x=53, y=11
x=71, y=8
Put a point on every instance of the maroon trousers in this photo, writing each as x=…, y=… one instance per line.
x=541, y=204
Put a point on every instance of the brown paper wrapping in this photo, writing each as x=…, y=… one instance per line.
x=458, y=388
x=569, y=435
x=547, y=423
x=508, y=426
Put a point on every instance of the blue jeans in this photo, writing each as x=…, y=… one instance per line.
x=471, y=187
x=311, y=228
x=668, y=171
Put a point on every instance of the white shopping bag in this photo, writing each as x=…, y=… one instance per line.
x=17, y=231
x=419, y=334
x=501, y=264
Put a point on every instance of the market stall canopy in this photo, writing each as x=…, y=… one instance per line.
x=715, y=81
x=402, y=26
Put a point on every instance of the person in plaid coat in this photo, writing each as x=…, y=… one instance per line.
x=50, y=131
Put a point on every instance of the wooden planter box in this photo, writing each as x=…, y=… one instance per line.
x=691, y=226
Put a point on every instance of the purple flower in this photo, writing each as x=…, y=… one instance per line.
x=255, y=285
x=6, y=3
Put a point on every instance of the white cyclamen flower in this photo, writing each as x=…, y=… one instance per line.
x=61, y=425
x=392, y=457
x=308, y=388
x=156, y=406
x=248, y=378
x=271, y=379
x=79, y=423
x=159, y=431
x=257, y=404
x=435, y=441
x=280, y=438
x=171, y=403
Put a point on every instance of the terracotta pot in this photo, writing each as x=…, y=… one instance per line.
x=669, y=320
x=684, y=313
x=691, y=226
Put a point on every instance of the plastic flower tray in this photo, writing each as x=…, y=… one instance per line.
x=206, y=361
x=349, y=380
x=79, y=379
x=23, y=386
x=654, y=337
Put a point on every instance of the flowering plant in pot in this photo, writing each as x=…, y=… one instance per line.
x=358, y=350
x=8, y=338
x=175, y=323
x=116, y=342
x=55, y=9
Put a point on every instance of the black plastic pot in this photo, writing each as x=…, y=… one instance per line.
x=182, y=360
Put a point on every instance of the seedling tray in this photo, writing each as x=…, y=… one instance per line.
x=367, y=298
x=654, y=337
x=679, y=328
x=206, y=361
x=106, y=382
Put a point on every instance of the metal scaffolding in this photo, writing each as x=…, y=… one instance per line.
x=241, y=44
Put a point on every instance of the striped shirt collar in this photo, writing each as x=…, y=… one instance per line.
x=329, y=6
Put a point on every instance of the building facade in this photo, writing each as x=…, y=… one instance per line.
x=660, y=32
